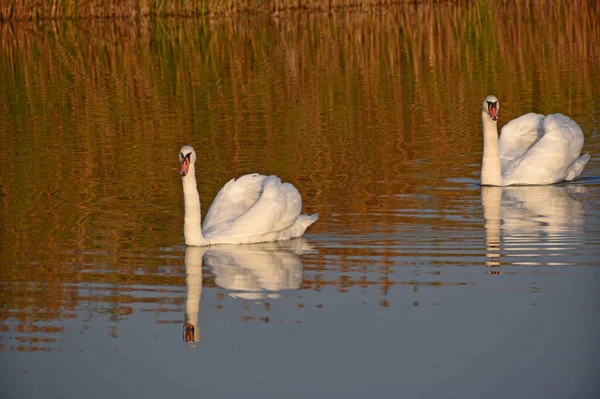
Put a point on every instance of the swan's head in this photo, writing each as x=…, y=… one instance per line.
x=490, y=107
x=187, y=157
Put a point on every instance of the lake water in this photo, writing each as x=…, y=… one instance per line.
x=415, y=282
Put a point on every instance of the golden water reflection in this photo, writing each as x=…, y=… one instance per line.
x=373, y=115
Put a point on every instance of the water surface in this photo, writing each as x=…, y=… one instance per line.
x=414, y=282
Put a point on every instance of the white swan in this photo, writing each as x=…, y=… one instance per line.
x=254, y=208
x=533, y=149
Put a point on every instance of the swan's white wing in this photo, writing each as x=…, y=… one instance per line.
x=518, y=135
x=293, y=208
x=550, y=159
x=276, y=209
x=234, y=199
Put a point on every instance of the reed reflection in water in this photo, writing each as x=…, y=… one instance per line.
x=375, y=117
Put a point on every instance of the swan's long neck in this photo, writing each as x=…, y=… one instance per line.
x=192, y=227
x=490, y=165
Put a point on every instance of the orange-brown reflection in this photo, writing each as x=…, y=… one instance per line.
x=361, y=111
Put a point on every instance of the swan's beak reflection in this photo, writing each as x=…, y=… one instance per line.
x=185, y=165
x=189, y=332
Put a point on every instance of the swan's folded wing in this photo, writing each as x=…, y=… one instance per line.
x=234, y=199
x=551, y=157
x=565, y=129
x=293, y=207
x=518, y=136
x=562, y=141
x=272, y=213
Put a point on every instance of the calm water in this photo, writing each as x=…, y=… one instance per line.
x=414, y=283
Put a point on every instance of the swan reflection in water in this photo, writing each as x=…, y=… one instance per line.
x=251, y=272
x=533, y=220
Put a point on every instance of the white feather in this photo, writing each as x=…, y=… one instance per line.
x=234, y=199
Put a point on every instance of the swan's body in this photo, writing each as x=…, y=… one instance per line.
x=254, y=208
x=533, y=149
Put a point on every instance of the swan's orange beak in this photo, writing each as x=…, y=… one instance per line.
x=493, y=111
x=185, y=166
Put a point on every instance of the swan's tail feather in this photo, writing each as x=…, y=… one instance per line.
x=299, y=226
x=308, y=219
x=575, y=169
